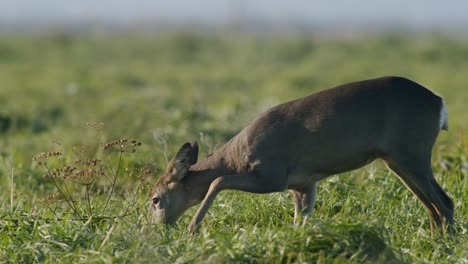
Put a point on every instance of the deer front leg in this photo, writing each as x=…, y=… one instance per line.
x=248, y=182
x=304, y=200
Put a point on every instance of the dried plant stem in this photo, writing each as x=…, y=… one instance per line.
x=69, y=202
x=53, y=212
x=88, y=199
x=132, y=202
x=68, y=194
x=113, y=181
x=12, y=189
x=109, y=232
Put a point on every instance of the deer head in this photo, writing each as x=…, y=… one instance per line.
x=170, y=197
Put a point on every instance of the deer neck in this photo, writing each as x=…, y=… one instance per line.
x=203, y=173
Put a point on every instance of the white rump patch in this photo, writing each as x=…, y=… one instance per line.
x=443, y=117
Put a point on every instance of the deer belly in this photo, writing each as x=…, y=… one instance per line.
x=344, y=164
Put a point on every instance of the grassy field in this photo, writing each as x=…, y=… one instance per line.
x=74, y=93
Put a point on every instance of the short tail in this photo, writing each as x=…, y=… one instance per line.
x=443, y=118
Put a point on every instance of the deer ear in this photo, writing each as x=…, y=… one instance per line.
x=180, y=163
x=194, y=153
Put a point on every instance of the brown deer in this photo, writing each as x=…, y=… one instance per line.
x=296, y=144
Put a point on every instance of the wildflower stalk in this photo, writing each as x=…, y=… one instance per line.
x=132, y=202
x=88, y=199
x=69, y=201
x=113, y=181
x=83, y=173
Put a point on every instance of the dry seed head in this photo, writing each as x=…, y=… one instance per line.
x=143, y=172
x=85, y=176
x=122, y=145
x=46, y=155
x=113, y=143
x=54, y=173
x=88, y=162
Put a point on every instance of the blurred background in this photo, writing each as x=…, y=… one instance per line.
x=251, y=15
x=170, y=71
x=75, y=74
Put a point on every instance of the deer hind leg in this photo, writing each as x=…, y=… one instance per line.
x=304, y=200
x=449, y=207
x=417, y=175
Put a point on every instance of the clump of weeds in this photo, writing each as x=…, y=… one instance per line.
x=87, y=185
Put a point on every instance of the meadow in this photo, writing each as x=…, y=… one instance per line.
x=80, y=99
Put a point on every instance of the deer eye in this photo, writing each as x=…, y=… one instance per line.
x=155, y=200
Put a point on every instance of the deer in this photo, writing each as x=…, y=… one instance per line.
x=294, y=145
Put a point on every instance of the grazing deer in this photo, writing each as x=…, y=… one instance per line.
x=296, y=144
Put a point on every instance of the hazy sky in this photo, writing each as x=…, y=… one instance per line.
x=414, y=12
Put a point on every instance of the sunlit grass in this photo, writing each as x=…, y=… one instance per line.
x=171, y=88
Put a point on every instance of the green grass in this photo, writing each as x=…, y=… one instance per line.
x=173, y=87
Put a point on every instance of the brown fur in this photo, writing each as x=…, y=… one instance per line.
x=295, y=144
